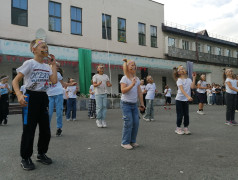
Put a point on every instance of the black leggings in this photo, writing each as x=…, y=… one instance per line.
x=4, y=105
x=182, y=110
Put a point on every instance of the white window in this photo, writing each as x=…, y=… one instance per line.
x=185, y=45
x=171, y=42
x=219, y=51
x=209, y=49
x=228, y=52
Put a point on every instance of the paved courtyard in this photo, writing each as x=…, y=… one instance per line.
x=87, y=152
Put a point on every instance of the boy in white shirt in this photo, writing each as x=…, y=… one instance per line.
x=167, y=93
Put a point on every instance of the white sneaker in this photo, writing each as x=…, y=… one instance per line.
x=74, y=119
x=99, y=123
x=146, y=119
x=92, y=117
x=67, y=119
x=152, y=119
x=179, y=131
x=104, y=124
x=200, y=112
x=186, y=131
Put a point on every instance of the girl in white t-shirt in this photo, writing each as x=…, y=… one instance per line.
x=4, y=99
x=183, y=96
x=130, y=88
x=167, y=94
x=150, y=90
x=231, y=91
x=201, y=93
x=92, y=102
x=71, y=91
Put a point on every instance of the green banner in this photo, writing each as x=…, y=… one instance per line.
x=85, y=59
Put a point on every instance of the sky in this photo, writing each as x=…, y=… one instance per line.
x=219, y=17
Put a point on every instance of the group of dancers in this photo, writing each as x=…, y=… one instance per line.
x=43, y=90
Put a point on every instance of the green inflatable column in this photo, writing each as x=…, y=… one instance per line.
x=85, y=59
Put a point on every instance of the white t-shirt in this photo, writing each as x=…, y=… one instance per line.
x=71, y=91
x=102, y=89
x=130, y=96
x=56, y=89
x=202, y=84
x=168, y=94
x=233, y=83
x=150, y=88
x=3, y=89
x=36, y=75
x=213, y=90
x=209, y=92
x=23, y=89
x=92, y=96
x=142, y=87
x=186, y=83
x=64, y=93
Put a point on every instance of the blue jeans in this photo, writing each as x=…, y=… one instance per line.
x=131, y=122
x=57, y=102
x=149, y=112
x=71, y=106
x=101, y=106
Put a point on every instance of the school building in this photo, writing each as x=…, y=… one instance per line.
x=84, y=33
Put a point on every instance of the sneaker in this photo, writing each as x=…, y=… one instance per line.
x=5, y=122
x=152, y=119
x=99, y=123
x=92, y=117
x=165, y=107
x=67, y=119
x=228, y=123
x=104, y=124
x=44, y=159
x=234, y=123
x=134, y=145
x=127, y=146
x=186, y=131
x=200, y=112
x=27, y=164
x=58, y=132
x=146, y=119
x=179, y=131
x=74, y=119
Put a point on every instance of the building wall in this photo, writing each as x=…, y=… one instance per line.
x=135, y=11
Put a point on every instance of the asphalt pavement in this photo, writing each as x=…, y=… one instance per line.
x=87, y=152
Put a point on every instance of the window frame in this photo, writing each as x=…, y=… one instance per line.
x=169, y=44
x=151, y=36
x=209, y=52
x=219, y=53
x=51, y=16
x=77, y=21
x=185, y=45
x=21, y=10
x=121, y=30
x=106, y=27
x=140, y=34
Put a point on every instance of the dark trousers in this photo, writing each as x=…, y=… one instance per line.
x=230, y=106
x=236, y=101
x=142, y=112
x=35, y=113
x=182, y=110
x=4, y=105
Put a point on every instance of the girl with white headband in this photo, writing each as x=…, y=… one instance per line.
x=35, y=102
x=4, y=99
x=130, y=88
x=183, y=96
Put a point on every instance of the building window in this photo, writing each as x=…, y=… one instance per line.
x=121, y=30
x=209, y=49
x=228, y=52
x=54, y=16
x=171, y=42
x=219, y=51
x=19, y=12
x=142, y=37
x=153, y=36
x=185, y=45
x=199, y=47
x=106, y=26
x=76, y=20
